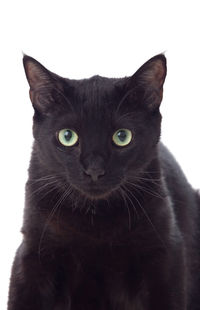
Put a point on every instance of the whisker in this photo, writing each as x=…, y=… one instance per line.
x=44, y=178
x=126, y=204
x=62, y=198
x=148, y=179
x=65, y=98
x=145, y=189
x=51, y=189
x=41, y=188
x=126, y=189
x=122, y=100
x=125, y=116
x=61, y=203
x=147, y=216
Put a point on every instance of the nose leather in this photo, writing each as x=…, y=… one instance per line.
x=95, y=173
x=93, y=166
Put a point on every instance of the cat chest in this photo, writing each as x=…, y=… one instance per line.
x=106, y=277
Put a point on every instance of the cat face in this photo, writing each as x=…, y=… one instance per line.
x=96, y=133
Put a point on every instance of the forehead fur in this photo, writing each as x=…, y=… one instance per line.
x=95, y=95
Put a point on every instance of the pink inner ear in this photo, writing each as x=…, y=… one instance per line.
x=36, y=76
x=159, y=72
x=156, y=73
x=33, y=73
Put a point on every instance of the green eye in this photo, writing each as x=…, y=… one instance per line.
x=67, y=137
x=122, y=137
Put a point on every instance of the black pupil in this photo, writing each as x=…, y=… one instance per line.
x=68, y=135
x=121, y=135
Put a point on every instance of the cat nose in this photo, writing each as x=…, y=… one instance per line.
x=94, y=173
x=93, y=165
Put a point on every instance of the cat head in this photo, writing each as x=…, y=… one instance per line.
x=96, y=133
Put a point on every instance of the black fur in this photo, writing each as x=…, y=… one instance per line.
x=105, y=227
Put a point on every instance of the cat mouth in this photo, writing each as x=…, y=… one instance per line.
x=95, y=191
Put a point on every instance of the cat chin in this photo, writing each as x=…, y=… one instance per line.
x=96, y=195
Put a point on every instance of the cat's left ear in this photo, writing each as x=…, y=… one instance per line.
x=148, y=82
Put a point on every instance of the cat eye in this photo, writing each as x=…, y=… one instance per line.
x=67, y=137
x=122, y=137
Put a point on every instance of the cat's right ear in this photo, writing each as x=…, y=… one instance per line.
x=42, y=84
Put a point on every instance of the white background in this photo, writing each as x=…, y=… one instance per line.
x=78, y=39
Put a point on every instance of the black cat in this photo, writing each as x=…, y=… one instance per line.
x=110, y=220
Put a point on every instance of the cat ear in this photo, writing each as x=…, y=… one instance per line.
x=149, y=80
x=42, y=85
